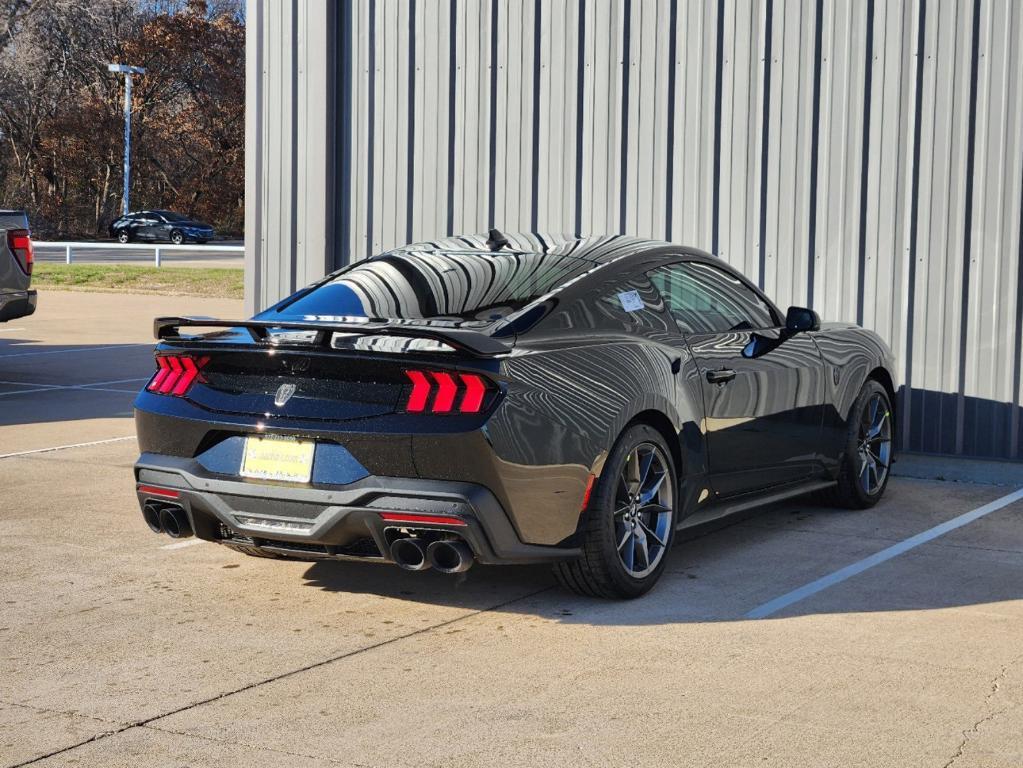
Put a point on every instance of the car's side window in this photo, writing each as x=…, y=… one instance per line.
x=704, y=299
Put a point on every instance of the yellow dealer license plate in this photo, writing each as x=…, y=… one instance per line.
x=278, y=458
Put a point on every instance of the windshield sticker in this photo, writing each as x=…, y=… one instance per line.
x=631, y=301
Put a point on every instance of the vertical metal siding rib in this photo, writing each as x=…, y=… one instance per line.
x=868, y=75
x=581, y=66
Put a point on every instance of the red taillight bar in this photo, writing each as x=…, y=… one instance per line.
x=152, y=490
x=414, y=519
x=420, y=392
x=446, y=389
x=176, y=374
x=467, y=390
x=475, y=389
x=20, y=242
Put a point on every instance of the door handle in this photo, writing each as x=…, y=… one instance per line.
x=720, y=376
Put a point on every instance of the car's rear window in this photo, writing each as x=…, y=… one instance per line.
x=436, y=285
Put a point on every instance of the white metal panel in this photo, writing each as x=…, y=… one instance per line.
x=788, y=175
x=559, y=78
x=430, y=120
x=695, y=78
x=741, y=123
x=602, y=106
x=842, y=73
x=314, y=149
x=472, y=87
x=889, y=174
x=938, y=287
x=994, y=238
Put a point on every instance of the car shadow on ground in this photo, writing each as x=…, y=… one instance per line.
x=721, y=572
x=42, y=383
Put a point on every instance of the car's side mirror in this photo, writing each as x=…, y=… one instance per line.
x=799, y=319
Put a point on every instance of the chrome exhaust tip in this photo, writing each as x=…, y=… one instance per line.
x=409, y=553
x=450, y=556
x=175, y=522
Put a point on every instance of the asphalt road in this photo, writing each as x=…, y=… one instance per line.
x=119, y=647
x=143, y=254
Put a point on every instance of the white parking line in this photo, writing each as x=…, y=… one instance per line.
x=65, y=447
x=71, y=386
x=60, y=389
x=183, y=544
x=70, y=351
x=97, y=386
x=895, y=550
x=9, y=330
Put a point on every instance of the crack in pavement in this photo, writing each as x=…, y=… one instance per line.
x=66, y=713
x=974, y=730
x=274, y=678
x=261, y=748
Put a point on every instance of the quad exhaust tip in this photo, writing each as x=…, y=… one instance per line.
x=174, y=522
x=151, y=513
x=410, y=553
x=450, y=556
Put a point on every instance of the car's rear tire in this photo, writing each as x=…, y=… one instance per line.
x=176, y=237
x=632, y=511
x=869, y=448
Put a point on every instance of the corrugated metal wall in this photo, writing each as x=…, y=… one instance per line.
x=864, y=158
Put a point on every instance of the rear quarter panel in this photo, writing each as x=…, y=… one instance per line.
x=563, y=410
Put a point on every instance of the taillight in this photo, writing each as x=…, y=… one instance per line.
x=175, y=374
x=443, y=392
x=20, y=243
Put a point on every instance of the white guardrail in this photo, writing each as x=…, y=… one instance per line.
x=158, y=248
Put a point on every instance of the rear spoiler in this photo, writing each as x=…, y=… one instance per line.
x=473, y=342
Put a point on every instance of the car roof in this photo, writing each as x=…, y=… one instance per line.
x=599, y=249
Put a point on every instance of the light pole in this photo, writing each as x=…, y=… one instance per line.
x=127, y=71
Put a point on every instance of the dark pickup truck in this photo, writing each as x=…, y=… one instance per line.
x=16, y=300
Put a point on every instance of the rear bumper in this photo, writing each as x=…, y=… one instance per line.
x=15, y=304
x=335, y=522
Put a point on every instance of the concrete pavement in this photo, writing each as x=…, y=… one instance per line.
x=119, y=647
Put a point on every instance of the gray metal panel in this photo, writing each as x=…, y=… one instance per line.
x=808, y=142
x=290, y=142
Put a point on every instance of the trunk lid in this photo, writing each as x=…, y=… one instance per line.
x=316, y=372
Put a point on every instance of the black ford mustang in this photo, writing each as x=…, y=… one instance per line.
x=508, y=399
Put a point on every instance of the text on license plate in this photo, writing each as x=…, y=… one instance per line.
x=278, y=458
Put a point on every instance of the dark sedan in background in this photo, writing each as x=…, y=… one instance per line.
x=166, y=226
x=509, y=399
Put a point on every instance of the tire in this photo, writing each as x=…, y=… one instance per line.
x=123, y=236
x=859, y=486
x=601, y=571
x=176, y=237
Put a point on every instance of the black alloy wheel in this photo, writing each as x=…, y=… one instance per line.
x=629, y=524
